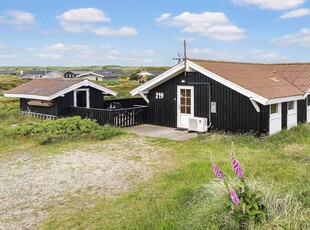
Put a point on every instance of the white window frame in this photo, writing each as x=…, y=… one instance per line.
x=294, y=110
x=278, y=110
x=87, y=97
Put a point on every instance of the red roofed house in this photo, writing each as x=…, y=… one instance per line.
x=53, y=97
x=229, y=96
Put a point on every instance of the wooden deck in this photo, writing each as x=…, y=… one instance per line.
x=116, y=117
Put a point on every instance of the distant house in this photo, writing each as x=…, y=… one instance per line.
x=92, y=76
x=53, y=97
x=147, y=75
x=8, y=73
x=232, y=96
x=38, y=74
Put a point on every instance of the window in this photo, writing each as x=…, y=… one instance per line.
x=81, y=98
x=308, y=100
x=291, y=105
x=186, y=101
x=273, y=108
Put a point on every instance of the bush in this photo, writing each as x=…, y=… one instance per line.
x=73, y=127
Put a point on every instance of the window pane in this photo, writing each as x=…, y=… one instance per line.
x=274, y=108
x=188, y=101
x=290, y=105
x=182, y=101
x=182, y=92
x=183, y=109
x=309, y=100
x=188, y=93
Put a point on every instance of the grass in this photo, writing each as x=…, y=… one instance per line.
x=122, y=87
x=186, y=196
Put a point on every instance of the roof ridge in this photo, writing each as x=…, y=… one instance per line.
x=254, y=63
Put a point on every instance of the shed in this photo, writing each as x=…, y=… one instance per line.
x=52, y=97
x=233, y=96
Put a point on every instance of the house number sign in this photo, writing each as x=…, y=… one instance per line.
x=159, y=95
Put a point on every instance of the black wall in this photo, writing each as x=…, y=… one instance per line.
x=234, y=112
x=284, y=115
x=302, y=111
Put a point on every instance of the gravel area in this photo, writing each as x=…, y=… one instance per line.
x=30, y=182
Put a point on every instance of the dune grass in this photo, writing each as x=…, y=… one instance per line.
x=186, y=196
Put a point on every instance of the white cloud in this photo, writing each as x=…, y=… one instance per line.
x=19, y=19
x=187, y=39
x=265, y=56
x=107, y=31
x=48, y=56
x=86, y=20
x=106, y=47
x=214, y=25
x=57, y=47
x=8, y=56
x=247, y=56
x=199, y=52
x=302, y=38
x=86, y=15
x=272, y=4
x=296, y=13
x=163, y=18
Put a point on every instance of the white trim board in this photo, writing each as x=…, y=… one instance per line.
x=64, y=91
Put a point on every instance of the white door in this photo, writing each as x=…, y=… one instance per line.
x=291, y=114
x=308, y=108
x=185, y=105
x=275, y=118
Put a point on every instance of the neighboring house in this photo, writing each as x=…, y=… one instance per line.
x=144, y=76
x=93, y=76
x=73, y=74
x=38, y=74
x=8, y=73
x=234, y=97
x=53, y=97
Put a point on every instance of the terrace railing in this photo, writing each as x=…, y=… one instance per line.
x=115, y=117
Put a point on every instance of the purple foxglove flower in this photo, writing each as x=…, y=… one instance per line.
x=233, y=196
x=219, y=173
x=236, y=165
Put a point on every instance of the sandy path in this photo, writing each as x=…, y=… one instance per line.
x=30, y=182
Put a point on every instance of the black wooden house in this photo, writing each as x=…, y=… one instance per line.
x=234, y=97
x=52, y=98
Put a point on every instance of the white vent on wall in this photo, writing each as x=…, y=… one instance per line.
x=198, y=124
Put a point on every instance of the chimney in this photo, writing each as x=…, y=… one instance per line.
x=274, y=76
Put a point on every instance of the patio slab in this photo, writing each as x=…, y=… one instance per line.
x=161, y=132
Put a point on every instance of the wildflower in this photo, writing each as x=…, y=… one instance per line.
x=242, y=189
x=218, y=172
x=236, y=165
x=233, y=196
x=243, y=208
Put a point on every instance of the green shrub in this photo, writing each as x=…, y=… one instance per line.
x=72, y=127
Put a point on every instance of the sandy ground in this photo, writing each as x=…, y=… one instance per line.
x=30, y=182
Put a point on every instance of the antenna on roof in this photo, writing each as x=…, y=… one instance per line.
x=179, y=58
x=185, y=58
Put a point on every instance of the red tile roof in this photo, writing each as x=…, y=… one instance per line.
x=43, y=87
x=258, y=78
x=297, y=74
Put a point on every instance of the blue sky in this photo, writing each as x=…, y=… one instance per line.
x=132, y=32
